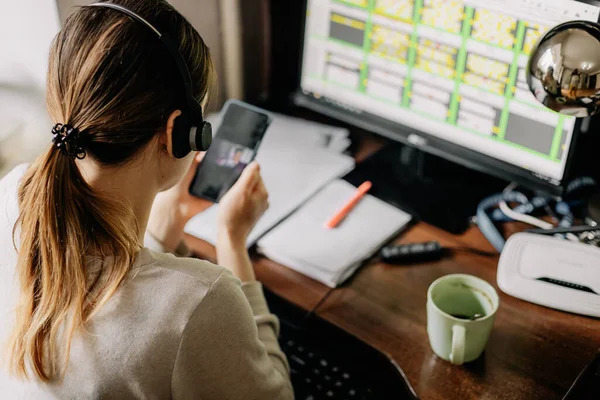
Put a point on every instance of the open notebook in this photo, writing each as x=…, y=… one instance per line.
x=330, y=256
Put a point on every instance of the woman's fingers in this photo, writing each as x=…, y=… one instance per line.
x=261, y=189
x=249, y=177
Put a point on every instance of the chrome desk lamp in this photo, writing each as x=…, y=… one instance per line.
x=564, y=75
x=564, y=69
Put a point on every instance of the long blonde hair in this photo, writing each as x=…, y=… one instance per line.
x=112, y=80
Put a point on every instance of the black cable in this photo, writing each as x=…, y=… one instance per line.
x=365, y=263
x=561, y=230
x=319, y=304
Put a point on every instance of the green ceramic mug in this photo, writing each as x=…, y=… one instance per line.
x=460, y=316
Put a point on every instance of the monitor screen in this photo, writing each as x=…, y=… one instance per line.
x=446, y=75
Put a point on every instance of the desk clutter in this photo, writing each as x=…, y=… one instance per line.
x=301, y=163
x=555, y=264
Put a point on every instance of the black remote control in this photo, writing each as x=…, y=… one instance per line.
x=405, y=253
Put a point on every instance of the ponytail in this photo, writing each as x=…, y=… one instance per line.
x=109, y=82
x=61, y=219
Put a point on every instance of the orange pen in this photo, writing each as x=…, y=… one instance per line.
x=345, y=210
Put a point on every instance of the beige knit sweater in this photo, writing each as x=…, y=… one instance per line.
x=178, y=328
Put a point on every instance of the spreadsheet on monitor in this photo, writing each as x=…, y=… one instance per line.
x=452, y=69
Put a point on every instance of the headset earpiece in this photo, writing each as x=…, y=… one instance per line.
x=187, y=136
x=203, y=137
x=200, y=136
x=190, y=131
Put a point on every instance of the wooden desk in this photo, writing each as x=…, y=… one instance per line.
x=533, y=352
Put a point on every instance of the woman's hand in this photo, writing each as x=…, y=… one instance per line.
x=239, y=210
x=243, y=205
x=173, y=208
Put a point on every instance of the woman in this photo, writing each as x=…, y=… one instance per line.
x=86, y=311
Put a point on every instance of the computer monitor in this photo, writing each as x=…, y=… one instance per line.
x=446, y=76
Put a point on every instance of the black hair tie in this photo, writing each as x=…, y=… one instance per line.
x=68, y=140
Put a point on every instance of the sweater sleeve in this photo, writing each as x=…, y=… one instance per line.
x=229, y=348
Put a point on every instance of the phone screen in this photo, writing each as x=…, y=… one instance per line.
x=234, y=147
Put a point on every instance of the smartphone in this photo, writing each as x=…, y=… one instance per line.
x=234, y=146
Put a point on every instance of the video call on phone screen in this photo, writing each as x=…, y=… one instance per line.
x=233, y=148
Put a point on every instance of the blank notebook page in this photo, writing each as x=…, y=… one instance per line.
x=303, y=235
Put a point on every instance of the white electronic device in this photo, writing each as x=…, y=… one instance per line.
x=551, y=272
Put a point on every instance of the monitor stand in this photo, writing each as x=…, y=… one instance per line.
x=432, y=189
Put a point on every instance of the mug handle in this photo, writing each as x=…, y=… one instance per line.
x=457, y=356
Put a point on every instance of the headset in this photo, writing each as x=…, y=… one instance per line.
x=190, y=132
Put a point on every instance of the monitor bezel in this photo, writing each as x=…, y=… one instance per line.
x=430, y=143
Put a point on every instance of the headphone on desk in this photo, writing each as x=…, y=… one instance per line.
x=190, y=131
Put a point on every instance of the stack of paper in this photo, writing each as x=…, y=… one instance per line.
x=299, y=133
x=312, y=134
x=297, y=158
x=303, y=243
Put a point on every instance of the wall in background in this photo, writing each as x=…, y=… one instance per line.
x=27, y=28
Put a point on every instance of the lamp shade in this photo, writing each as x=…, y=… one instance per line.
x=564, y=69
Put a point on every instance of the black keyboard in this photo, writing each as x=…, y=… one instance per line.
x=328, y=363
